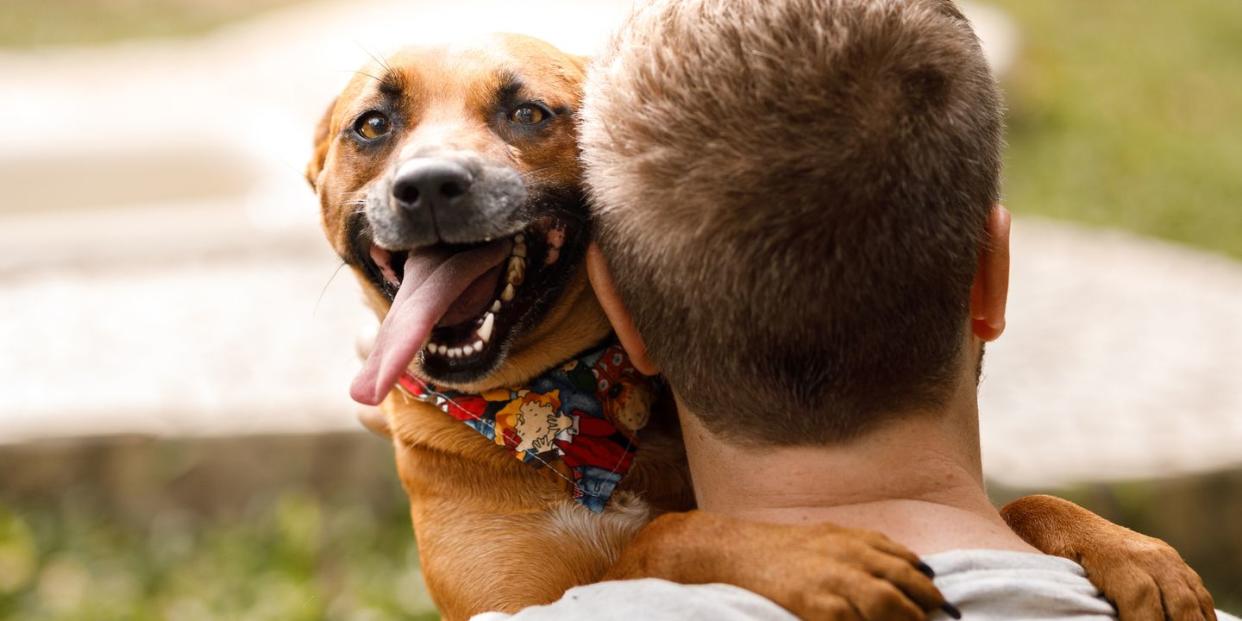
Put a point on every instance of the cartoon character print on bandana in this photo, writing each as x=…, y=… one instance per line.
x=533, y=422
x=578, y=422
x=628, y=404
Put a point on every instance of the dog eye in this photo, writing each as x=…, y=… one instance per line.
x=529, y=114
x=372, y=125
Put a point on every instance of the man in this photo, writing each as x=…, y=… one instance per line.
x=796, y=206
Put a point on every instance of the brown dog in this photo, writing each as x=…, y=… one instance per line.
x=449, y=181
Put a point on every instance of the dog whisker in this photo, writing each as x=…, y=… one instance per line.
x=355, y=199
x=373, y=77
x=379, y=61
x=535, y=172
x=324, y=291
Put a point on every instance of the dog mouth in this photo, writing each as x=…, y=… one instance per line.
x=487, y=310
x=456, y=308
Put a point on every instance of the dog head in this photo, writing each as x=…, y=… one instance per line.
x=448, y=178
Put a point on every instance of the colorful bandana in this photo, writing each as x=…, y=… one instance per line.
x=578, y=423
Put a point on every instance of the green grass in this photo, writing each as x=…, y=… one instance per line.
x=295, y=528
x=1129, y=114
x=33, y=23
x=292, y=557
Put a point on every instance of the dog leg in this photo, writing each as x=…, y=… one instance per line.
x=829, y=573
x=1144, y=577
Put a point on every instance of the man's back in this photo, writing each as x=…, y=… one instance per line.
x=986, y=585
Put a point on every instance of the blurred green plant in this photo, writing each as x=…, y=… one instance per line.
x=288, y=558
x=1127, y=114
x=205, y=530
x=30, y=23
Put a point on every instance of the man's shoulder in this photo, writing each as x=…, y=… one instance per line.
x=998, y=584
x=994, y=584
x=985, y=584
x=652, y=599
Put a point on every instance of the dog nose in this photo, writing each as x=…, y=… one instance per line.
x=430, y=184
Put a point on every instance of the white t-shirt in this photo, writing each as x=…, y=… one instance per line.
x=986, y=585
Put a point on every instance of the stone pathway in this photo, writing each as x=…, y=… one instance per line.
x=161, y=268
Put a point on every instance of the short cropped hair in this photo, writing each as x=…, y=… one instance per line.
x=791, y=195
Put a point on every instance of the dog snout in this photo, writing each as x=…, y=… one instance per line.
x=427, y=184
x=455, y=198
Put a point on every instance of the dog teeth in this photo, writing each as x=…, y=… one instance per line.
x=556, y=239
x=517, y=270
x=485, y=331
x=482, y=338
x=487, y=327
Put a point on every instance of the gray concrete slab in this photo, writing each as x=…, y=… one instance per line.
x=192, y=346
x=1122, y=359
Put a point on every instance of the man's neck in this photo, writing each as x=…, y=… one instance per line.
x=917, y=480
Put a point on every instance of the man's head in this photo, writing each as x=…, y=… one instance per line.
x=792, y=197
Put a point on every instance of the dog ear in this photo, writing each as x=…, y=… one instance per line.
x=322, y=141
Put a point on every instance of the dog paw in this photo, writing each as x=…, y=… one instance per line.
x=1147, y=580
x=1143, y=577
x=860, y=575
x=816, y=572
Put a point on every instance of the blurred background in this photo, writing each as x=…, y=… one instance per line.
x=176, y=440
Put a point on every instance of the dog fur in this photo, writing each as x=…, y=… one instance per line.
x=493, y=533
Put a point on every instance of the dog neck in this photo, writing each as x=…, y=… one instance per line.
x=578, y=422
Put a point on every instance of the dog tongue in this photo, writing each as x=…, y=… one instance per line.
x=433, y=280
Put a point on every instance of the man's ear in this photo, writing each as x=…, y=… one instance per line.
x=990, y=291
x=622, y=323
x=322, y=142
